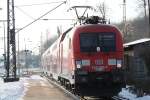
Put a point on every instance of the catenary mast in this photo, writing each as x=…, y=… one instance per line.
x=11, y=44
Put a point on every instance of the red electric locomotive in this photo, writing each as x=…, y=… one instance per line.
x=88, y=59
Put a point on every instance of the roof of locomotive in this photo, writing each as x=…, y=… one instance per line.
x=82, y=27
x=108, y=26
x=96, y=28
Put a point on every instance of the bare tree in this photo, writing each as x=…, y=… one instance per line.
x=102, y=8
x=145, y=4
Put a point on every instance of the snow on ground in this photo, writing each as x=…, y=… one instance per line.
x=12, y=90
x=126, y=94
x=36, y=77
x=16, y=90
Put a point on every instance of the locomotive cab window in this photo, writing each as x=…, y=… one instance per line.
x=89, y=42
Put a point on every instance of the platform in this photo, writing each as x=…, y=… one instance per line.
x=41, y=89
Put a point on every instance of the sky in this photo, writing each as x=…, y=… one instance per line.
x=30, y=37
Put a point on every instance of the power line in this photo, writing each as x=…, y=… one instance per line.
x=56, y=19
x=38, y=4
x=3, y=20
x=45, y=19
x=28, y=15
x=25, y=13
x=41, y=16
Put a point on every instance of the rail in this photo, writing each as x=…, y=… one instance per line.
x=119, y=98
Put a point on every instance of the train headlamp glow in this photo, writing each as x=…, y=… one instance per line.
x=78, y=64
x=111, y=61
x=119, y=63
x=86, y=62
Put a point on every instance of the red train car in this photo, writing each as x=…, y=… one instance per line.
x=87, y=59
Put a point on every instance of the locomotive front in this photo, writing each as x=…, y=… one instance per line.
x=98, y=60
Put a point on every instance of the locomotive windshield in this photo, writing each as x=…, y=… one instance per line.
x=89, y=42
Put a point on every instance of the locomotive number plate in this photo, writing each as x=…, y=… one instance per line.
x=99, y=68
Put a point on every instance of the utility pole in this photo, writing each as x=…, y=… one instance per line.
x=124, y=20
x=18, y=64
x=4, y=55
x=41, y=49
x=26, y=66
x=25, y=56
x=4, y=46
x=145, y=9
x=149, y=16
x=41, y=43
x=47, y=38
x=11, y=44
x=146, y=22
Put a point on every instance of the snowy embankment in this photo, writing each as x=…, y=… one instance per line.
x=16, y=90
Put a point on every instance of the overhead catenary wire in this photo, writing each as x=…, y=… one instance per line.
x=28, y=15
x=45, y=19
x=57, y=19
x=25, y=13
x=39, y=4
x=41, y=16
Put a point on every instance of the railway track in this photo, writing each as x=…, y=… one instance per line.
x=119, y=98
x=76, y=97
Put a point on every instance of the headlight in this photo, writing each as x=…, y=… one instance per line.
x=78, y=64
x=86, y=62
x=119, y=63
x=111, y=61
